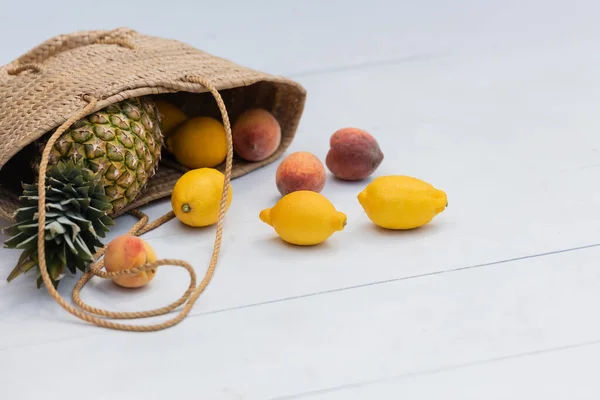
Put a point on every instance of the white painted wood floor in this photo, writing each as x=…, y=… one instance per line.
x=495, y=102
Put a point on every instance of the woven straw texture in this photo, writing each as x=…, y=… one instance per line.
x=40, y=90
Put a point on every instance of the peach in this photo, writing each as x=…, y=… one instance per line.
x=353, y=154
x=300, y=171
x=256, y=135
x=126, y=252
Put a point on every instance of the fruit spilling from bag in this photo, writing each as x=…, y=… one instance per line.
x=103, y=161
x=96, y=167
x=143, y=147
x=84, y=120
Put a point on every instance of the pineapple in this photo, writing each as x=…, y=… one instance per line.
x=121, y=142
x=76, y=217
x=95, y=169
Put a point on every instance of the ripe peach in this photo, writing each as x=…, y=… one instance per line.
x=300, y=171
x=126, y=252
x=353, y=155
x=256, y=135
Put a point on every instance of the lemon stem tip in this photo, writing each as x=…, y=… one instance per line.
x=340, y=222
x=186, y=208
x=361, y=197
x=265, y=216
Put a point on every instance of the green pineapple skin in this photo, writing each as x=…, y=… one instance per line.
x=76, y=218
x=122, y=143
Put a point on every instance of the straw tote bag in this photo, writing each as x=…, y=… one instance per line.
x=73, y=75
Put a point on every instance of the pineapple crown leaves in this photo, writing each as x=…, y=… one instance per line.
x=76, y=217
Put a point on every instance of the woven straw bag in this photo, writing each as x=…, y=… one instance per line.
x=72, y=75
x=44, y=87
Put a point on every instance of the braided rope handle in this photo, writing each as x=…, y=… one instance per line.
x=92, y=314
x=33, y=59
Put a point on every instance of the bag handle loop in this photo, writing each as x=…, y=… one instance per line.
x=33, y=59
x=98, y=316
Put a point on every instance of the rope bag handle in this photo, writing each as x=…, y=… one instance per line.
x=191, y=295
x=33, y=59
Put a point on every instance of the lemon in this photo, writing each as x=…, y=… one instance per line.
x=200, y=142
x=196, y=197
x=304, y=218
x=401, y=202
x=171, y=116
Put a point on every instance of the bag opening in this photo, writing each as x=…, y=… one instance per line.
x=262, y=94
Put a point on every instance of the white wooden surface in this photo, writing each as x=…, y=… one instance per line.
x=495, y=102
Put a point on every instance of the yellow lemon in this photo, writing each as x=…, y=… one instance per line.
x=304, y=218
x=401, y=202
x=171, y=116
x=196, y=197
x=199, y=143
